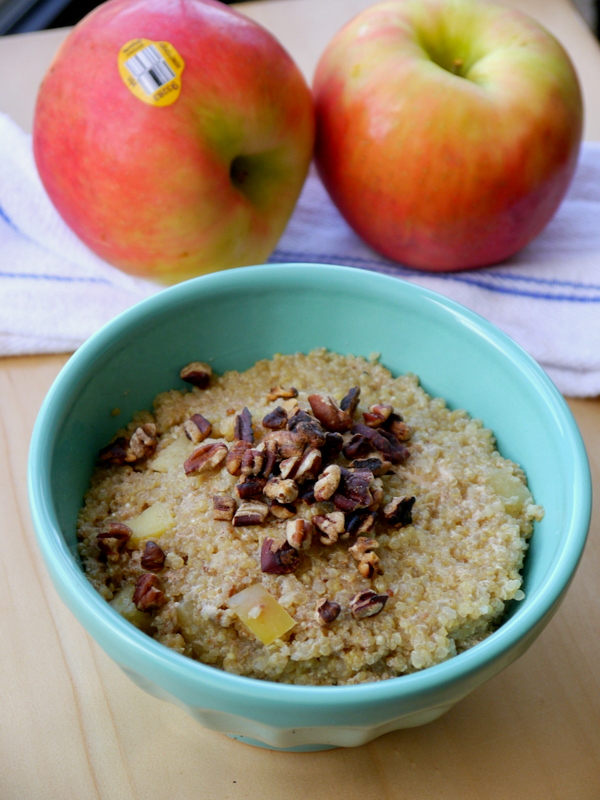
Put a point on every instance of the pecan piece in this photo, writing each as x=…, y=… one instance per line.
x=307, y=493
x=367, y=604
x=269, y=448
x=115, y=452
x=252, y=462
x=233, y=460
x=369, y=565
x=399, y=428
x=112, y=541
x=354, y=486
x=374, y=464
x=358, y=446
x=197, y=373
x=331, y=526
x=289, y=444
x=329, y=414
x=385, y=442
x=299, y=533
x=377, y=415
x=251, y=486
x=307, y=428
x=350, y=401
x=252, y=513
x=328, y=482
x=197, y=428
x=147, y=594
x=398, y=511
x=362, y=546
x=288, y=467
x=223, y=507
x=309, y=466
x=153, y=557
x=334, y=442
x=142, y=443
x=276, y=420
x=327, y=611
x=283, y=510
x=278, y=558
x=283, y=490
x=278, y=392
x=243, y=426
x=359, y=522
x=206, y=457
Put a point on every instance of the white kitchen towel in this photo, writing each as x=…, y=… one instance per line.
x=54, y=292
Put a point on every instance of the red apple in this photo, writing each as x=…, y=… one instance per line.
x=447, y=130
x=174, y=136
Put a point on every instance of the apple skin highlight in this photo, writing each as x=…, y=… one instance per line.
x=448, y=131
x=171, y=192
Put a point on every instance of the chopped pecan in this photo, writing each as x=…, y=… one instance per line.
x=350, y=401
x=206, y=457
x=252, y=462
x=307, y=428
x=288, y=467
x=362, y=521
x=197, y=373
x=243, y=426
x=398, y=512
x=278, y=392
x=377, y=415
x=327, y=611
x=354, y=486
x=299, y=533
x=276, y=420
x=284, y=490
x=328, y=482
x=283, y=510
x=278, y=558
x=115, y=452
x=329, y=414
x=153, y=557
x=367, y=604
x=269, y=448
x=143, y=442
x=147, y=594
x=233, y=460
x=385, y=442
x=251, y=486
x=112, y=541
x=307, y=493
x=362, y=546
x=309, y=466
x=374, y=464
x=197, y=428
x=369, y=565
x=223, y=507
x=331, y=526
x=396, y=425
x=334, y=442
x=252, y=513
x=358, y=446
x=289, y=444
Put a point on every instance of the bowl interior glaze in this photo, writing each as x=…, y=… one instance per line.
x=234, y=318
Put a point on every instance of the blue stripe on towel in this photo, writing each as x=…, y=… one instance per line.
x=479, y=281
x=32, y=276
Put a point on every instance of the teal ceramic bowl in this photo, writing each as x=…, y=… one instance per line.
x=232, y=319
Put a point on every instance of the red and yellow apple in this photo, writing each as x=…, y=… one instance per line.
x=447, y=130
x=173, y=136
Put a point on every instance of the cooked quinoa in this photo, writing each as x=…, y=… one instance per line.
x=443, y=573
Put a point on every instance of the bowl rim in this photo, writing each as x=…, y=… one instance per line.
x=85, y=602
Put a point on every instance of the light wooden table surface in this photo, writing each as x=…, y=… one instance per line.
x=73, y=727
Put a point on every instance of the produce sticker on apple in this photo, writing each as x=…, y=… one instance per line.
x=151, y=71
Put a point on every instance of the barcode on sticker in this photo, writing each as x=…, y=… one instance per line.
x=150, y=69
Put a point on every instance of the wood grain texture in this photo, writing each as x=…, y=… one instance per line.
x=72, y=725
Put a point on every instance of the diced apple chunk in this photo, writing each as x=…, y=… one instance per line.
x=261, y=613
x=512, y=490
x=150, y=524
x=173, y=456
x=123, y=603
